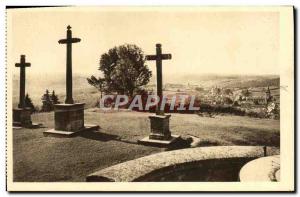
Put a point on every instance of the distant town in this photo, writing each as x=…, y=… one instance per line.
x=259, y=102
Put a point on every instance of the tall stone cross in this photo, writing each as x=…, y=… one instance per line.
x=158, y=58
x=69, y=41
x=23, y=64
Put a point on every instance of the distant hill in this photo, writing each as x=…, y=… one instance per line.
x=229, y=81
x=36, y=84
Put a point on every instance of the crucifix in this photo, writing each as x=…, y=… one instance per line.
x=23, y=64
x=69, y=116
x=160, y=134
x=158, y=58
x=69, y=41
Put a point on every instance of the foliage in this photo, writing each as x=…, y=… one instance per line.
x=217, y=91
x=54, y=98
x=47, y=104
x=98, y=83
x=124, y=69
x=29, y=104
x=246, y=93
x=228, y=101
x=49, y=101
x=228, y=91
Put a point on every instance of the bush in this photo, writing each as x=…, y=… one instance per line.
x=257, y=114
x=29, y=104
x=49, y=101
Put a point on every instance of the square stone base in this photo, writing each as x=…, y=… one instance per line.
x=60, y=133
x=31, y=126
x=159, y=127
x=69, y=117
x=22, y=118
x=69, y=121
x=159, y=143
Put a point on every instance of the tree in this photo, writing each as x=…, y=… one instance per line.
x=228, y=101
x=97, y=83
x=47, y=103
x=246, y=93
x=217, y=91
x=54, y=98
x=29, y=104
x=228, y=91
x=124, y=69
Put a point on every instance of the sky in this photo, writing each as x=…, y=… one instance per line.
x=200, y=41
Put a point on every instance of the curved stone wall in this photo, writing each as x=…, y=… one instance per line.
x=191, y=164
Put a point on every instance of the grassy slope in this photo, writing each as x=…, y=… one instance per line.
x=38, y=158
x=229, y=81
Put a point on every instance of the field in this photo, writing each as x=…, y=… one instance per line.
x=39, y=158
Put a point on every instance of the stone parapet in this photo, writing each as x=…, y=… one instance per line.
x=157, y=166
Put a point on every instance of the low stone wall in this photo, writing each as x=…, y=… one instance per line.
x=261, y=169
x=191, y=164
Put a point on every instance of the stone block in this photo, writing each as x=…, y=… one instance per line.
x=59, y=133
x=160, y=134
x=69, y=117
x=69, y=121
x=22, y=117
x=160, y=129
x=159, y=143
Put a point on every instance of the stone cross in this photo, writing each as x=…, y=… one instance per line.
x=159, y=57
x=69, y=41
x=23, y=64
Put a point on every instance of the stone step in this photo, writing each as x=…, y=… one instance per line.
x=59, y=133
x=160, y=143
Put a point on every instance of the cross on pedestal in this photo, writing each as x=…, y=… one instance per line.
x=158, y=58
x=69, y=41
x=69, y=117
x=160, y=134
x=23, y=64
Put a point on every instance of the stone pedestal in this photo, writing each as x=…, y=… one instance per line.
x=69, y=117
x=22, y=117
x=69, y=120
x=160, y=131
